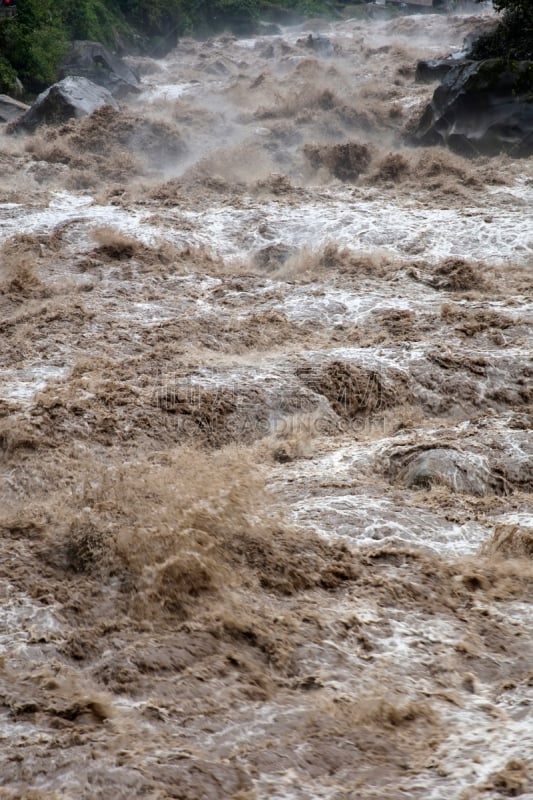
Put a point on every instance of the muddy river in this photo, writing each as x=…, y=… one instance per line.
x=265, y=436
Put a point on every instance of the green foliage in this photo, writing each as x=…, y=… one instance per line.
x=95, y=20
x=8, y=76
x=513, y=38
x=307, y=7
x=33, y=44
x=521, y=6
x=165, y=18
x=153, y=17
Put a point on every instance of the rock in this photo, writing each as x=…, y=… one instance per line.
x=435, y=69
x=217, y=67
x=272, y=256
x=71, y=97
x=482, y=108
x=319, y=44
x=93, y=61
x=11, y=109
x=466, y=473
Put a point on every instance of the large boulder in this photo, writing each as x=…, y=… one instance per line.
x=71, y=97
x=11, y=109
x=319, y=44
x=93, y=61
x=482, y=108
x=435, y=69
x=273, y=256
x=465, y=473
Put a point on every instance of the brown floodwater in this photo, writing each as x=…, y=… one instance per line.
x=265, y=436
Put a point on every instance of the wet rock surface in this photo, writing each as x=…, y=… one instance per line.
x=95, y=62
x=482, y=107
x=265, y=437
x=10, y=108
x=435, y=69
x=71, y=97
x=460, y=472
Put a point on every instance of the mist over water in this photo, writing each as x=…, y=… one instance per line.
x=265, y=435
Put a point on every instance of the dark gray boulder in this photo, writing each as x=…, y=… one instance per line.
x=435, y=69
x=93, y=61
x=11, y=109
x=273, y=256
x=462, y=472
x=482, y=108
x=71, y=97
x=319, y=44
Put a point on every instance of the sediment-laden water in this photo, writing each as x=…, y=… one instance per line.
x=265, y=436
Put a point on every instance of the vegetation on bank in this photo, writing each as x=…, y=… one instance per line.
x=33, y=44
x=513, y=38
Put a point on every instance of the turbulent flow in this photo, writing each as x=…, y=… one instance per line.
x=265, y=436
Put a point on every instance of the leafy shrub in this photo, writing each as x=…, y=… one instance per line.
x=513, y=38
x=33, y=44
x=8, y=76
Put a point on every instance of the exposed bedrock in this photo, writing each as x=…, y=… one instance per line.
x=482, y=108
x=93, y=61
x=71, y=97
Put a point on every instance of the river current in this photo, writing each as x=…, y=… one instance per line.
x=265, y=435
